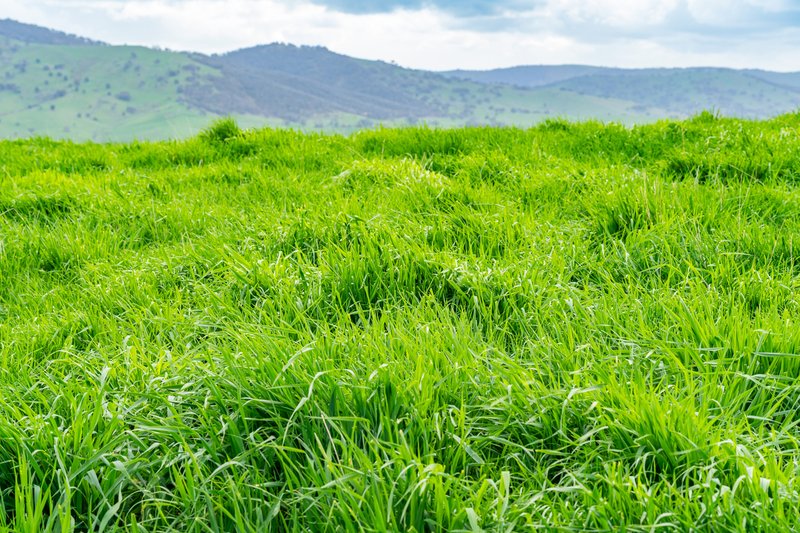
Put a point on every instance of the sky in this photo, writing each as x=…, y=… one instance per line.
x=450, y=34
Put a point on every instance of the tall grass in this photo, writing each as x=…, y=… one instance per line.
x=573, y=327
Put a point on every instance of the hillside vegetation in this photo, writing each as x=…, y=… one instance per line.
x=96, y=92
x=673, y=92
x=572, y=327
x=63, y=86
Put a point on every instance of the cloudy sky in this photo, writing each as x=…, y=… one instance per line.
x=445, y=34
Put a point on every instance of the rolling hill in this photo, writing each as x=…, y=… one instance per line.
x=65, y=86
x=28, y=33
x=678, y=92
x=527, y=76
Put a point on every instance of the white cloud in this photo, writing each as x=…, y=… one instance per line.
x=614, y=13
x=719, y=12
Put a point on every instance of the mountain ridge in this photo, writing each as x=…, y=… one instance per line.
x=61, y=85
x=30, y=33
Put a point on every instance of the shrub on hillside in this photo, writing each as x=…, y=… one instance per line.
x=221, y=131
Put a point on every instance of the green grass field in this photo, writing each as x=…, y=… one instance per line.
x=571, y=327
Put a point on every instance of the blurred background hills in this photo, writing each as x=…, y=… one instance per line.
x=66, y=86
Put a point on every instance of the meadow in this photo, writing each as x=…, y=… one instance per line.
x=578, y=326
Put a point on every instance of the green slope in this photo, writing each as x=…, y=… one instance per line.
x=28, y=33
x=782, y=79
x=95, y=92
x=526, y=76
x=99, y=92
x=668, y=92
x=295, y=83
x=684, y=92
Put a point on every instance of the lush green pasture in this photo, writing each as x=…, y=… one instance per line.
x=574, y=327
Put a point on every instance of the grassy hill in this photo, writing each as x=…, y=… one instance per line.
x=297, y=82
x=683, y=92
x=82, y=90
x=577, y=327
x=28, y=33
x=96, y=92
x=527, y=76
x=673, y=92
x=64, y=86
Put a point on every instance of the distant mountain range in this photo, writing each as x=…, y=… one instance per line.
x=678, y=92
x=65, y=86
